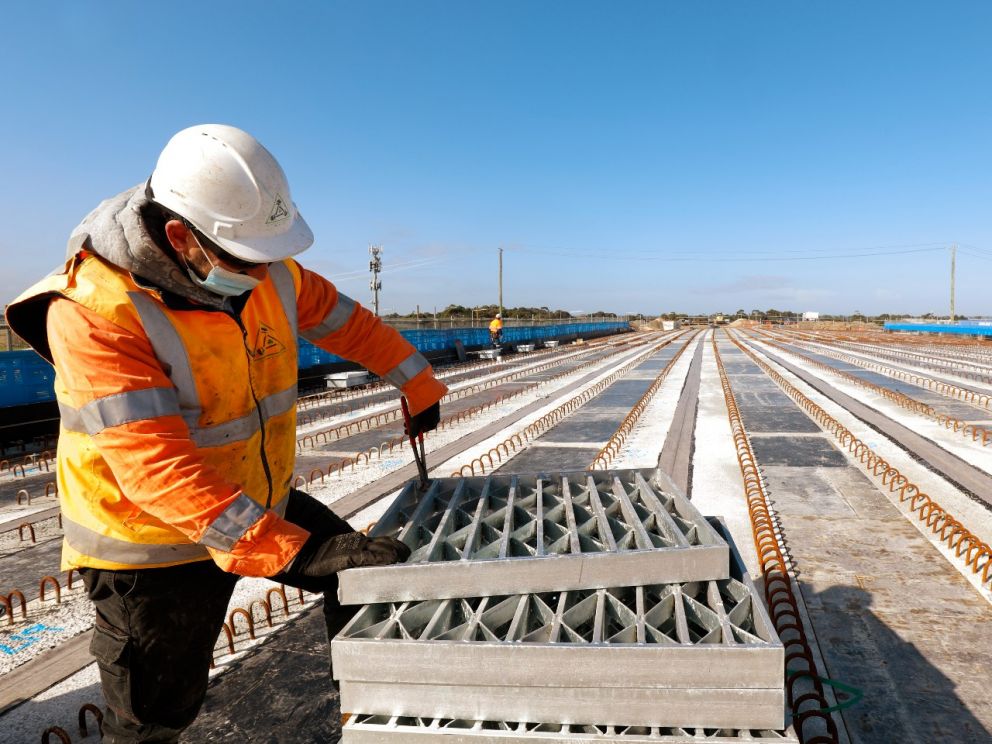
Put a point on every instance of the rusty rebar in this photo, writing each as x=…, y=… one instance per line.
x=97, y=716
x=45, y=580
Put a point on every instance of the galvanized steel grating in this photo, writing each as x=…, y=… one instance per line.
x=366, y=729
x=689, y=654
x=699, y=613
x=533, y=533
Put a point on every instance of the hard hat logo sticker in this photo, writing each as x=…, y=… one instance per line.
x=279, y=211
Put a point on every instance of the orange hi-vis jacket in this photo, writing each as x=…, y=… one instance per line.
x=495, y=324
x=178, y=421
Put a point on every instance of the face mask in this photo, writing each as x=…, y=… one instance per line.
x=220, y=281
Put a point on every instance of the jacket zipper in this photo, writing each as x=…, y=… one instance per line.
x=258, y=408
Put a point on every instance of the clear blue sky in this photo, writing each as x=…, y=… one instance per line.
x=633, y=157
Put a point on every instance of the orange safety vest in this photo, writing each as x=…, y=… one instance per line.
x=200, y=465
x=496, y=324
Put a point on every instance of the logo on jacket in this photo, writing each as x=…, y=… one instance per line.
x=266, y=345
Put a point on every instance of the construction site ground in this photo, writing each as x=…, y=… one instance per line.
x=895, y=611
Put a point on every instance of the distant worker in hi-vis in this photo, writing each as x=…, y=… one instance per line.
x=496, y=330
x=173, y=329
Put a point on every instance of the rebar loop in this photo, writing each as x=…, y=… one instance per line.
x=782, y=604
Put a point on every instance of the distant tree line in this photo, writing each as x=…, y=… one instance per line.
x=777, y=314
x=547, y=313
x=522, y=313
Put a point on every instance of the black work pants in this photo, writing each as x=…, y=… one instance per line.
x=156, y=628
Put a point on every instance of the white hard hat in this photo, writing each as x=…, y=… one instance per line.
x=229, y=187
x=498, y=315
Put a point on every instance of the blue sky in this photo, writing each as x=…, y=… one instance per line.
x=631, y=157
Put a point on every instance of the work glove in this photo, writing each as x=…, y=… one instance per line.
x=426, y=420
x=322, y=557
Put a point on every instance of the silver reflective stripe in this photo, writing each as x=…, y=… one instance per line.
x=278, y=403
x=334, y=320
x=86, y=541
x=235, y=430
x=232, y=523
x=280, y=508
x=171, y=352
x=406, y=370
x=244, y=427
x=119, y=408
x=71, y=420
x=286, y=290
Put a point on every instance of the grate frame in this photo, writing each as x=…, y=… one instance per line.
x=371, y=729
x=716, y=662
x=684, y=708
x=510, y=534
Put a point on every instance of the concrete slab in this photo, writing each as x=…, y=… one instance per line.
x=776, y=418
x=797, y=451
x=280, y=692
x=813, y=490
x=760, y=395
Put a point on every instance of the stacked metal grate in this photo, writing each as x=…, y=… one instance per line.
x=590, y=606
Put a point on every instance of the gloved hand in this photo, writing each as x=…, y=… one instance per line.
x=426, y=420
x=319, y=558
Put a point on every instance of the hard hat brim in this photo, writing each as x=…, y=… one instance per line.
x=269, y=248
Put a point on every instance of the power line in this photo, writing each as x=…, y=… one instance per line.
x=390, y=268
x=654, y=254
x=727, y=259
x=973, y=254
x=987, y=251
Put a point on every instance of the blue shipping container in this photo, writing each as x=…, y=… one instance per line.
x=25, y=378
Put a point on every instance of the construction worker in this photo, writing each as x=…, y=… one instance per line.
x=496, y=329
x=173, y=330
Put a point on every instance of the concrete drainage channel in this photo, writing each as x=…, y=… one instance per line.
x=807, y=700
x=975, y=554
x=825, y=485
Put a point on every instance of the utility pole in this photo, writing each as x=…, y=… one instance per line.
x=954, y=251
x=375, y=266
x=501, y=281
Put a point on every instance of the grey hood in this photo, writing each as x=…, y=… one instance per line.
x=116, y=232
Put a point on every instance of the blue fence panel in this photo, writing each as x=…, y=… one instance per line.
x=967, y=329
x=441, y=339
x=25, y=378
